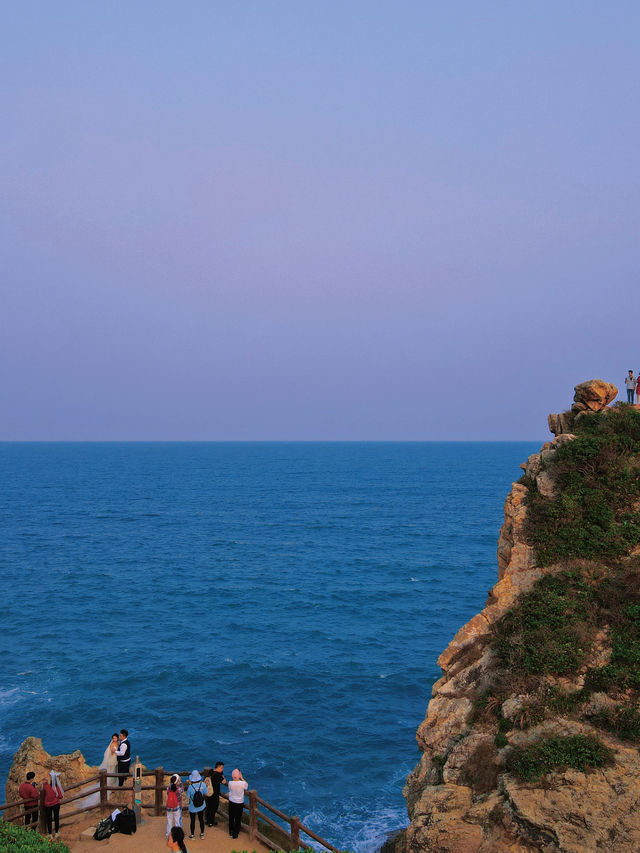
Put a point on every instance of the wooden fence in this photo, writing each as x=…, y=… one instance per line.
x=274, y=828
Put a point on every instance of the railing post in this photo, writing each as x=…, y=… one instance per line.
x=253, y=814
x=295, y=832
x=158, y=791
x=104, y=794
x=42, y=820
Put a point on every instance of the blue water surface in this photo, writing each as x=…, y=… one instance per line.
x=277, y=606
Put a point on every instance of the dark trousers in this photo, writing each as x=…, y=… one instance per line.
x=123, y=767
x=52, y=814
x=235, y=818
x=30, y=816
x=212, y=807
x=192, y=820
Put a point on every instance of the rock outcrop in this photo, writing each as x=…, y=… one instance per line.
x=73, y=769
x=460, y=797
x=589, y=397
x=32, y=755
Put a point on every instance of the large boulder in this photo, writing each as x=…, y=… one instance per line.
x=593, y=395
x=589, y=397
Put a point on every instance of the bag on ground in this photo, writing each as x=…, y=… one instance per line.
x=126, y=822
x=103, y=829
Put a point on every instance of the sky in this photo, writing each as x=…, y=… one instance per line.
x=336, y=220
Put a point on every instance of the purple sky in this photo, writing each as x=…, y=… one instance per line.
x=331, y=220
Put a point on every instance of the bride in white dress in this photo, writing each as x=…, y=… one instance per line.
x=110, y=760
x=110, y=764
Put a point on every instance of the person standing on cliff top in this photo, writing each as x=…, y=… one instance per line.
x=124, y=755
x=638, y=389
x=630, y=383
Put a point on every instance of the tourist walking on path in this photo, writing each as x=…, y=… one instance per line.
x=237, y=788
x=174, y=804
x=53, y=795
x=29, y=792
x=213, y=799
x=196, y=792
x=630, y=383
x=175, y=841
x=124, y=755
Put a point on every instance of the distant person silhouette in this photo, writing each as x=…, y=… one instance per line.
x=630, y=382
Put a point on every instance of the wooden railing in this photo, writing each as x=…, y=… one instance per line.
x=283, y=835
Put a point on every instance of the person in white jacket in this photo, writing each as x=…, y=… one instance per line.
x=237, y=788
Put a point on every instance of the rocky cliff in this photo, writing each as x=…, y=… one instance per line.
x=531, y=738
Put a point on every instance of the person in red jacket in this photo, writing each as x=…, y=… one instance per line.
x=53, y=794
x=29, y=792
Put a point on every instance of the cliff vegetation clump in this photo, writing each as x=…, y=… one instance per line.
x=532, y=737
x=17, y=839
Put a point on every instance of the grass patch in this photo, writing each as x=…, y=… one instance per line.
x=17, y=839
x=622, y=722
x=581, y=752
x=597, y=481
x=548, y=631
x=619, y=601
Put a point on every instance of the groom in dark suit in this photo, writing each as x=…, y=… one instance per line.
x=124, y=755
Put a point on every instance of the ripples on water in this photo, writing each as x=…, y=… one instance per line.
x=276, y=606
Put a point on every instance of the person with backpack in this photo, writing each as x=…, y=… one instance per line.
x=174, y=804
x=196, y=793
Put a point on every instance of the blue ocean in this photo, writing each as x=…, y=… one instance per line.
x=276, y=606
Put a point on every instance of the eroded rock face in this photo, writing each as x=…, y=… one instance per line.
x=460, y=797
x=33, y=756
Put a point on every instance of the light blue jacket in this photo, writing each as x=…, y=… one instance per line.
x=193, y=787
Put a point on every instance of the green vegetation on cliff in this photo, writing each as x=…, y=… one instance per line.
x=570, y=647
x=579, y=752
x=17, y=839
x=594, y=513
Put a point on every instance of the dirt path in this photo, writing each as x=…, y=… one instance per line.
x=150, y=838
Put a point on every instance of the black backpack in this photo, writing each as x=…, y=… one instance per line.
x=103, y=829
x=125, y=822
x=197, y=798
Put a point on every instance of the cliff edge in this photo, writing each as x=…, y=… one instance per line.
x=531, y=740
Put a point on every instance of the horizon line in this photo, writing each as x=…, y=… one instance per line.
x=268, y=440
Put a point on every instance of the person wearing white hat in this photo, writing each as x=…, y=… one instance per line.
x=196, y=793
x=53, y=794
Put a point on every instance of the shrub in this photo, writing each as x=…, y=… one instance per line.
x=17, y=839
x=597, y=480
x=623, y=722
x=581, y=752
x=548, y=630
x=619, y=600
